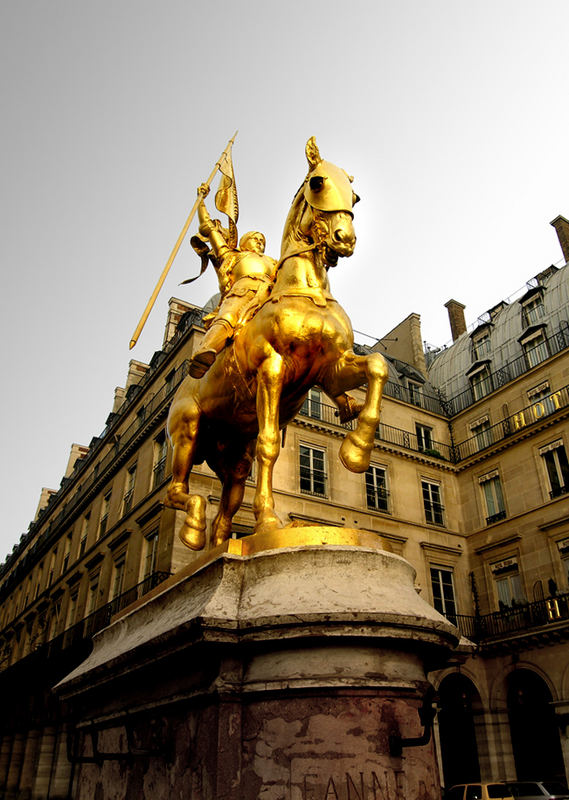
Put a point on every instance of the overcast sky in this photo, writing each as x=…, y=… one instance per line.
x=451, y=115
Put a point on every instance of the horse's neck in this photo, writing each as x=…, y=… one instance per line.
x=302, y=272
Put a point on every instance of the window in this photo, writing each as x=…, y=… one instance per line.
x=71, y=610
x=84, y=531
x=481, y=432
x=312, y=406
x=140, y=415
x=38, y=580
x=92, y=594
x=481, y=382
x=151, y=554
x=424, y=437
x=432, y=502
x=557, y=467
x=415, y=393
x=66, y=554
x=443, y=592
x=169, y=382
x=104, y=519
x=129, y=489
x=51, y=573
x=312, y=471
x=508, y=583
x=543, y=396
x=535, y=348
x=376, y=488
x=481, y=346
x=533, y=311
x=563, y=547
x=118, y=576
x=493, y=497
x=160, y=452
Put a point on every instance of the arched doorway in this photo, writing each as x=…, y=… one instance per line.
x=458, y=701
x=535, y=735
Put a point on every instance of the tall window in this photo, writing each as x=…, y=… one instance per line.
x=39, y=576
x=493, y=497
x=535, y=348
x=432, y=502
x=424, y=437
x=443, y=592
x=415, y=392
x=92, y=595
x=118, y=576
x=481, y=345
x=104, y=519
x=480, y=430
x=557, y=467
x=312, y=406
x=151, y=554
x=481, y=382
x=84, y=532
x=376, y=488
x=312, y=470
x=508, y=583
x=71, y=610
x=542, y=395
x=66, y=553
x=533, y=311
x=51, y=573
x=160, y=452
x=129, y=489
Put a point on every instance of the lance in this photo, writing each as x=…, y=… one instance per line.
x=174, y=252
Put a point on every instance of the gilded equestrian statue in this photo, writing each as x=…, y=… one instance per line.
x=298, y=338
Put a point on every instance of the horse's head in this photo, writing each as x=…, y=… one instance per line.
x=321, y=217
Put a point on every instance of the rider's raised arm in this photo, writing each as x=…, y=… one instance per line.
x=212, y=229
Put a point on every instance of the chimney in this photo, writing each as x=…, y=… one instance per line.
x=561, y=225
x=456, y=318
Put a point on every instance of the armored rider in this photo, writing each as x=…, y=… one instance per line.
x=245, y=276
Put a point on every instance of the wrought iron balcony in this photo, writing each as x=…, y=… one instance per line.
x=82, y=631
x=540, y=616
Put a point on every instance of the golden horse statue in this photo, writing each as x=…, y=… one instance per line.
x=300, y=337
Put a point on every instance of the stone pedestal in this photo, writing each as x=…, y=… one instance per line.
x=278, y=674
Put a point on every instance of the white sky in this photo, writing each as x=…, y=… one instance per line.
x=451, y=114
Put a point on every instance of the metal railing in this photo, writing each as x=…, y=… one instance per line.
x=554, y=344
x=321, y=412
x=513, y=620
x=515, y=422
x=91, y=624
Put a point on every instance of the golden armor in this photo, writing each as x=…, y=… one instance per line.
x=295, y=338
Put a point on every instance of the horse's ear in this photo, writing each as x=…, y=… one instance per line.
x=312, y=153
x=355, y=198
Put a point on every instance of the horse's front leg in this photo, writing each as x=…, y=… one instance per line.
x=269, y=387
x=350, y=372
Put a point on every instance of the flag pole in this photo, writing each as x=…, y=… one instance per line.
x=174, y=252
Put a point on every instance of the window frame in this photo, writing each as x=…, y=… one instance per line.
x=310, y=475
x=375, y=490
x=432, y=514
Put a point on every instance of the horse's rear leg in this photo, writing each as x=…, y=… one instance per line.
x=184, y=438
x=350, y=372
x=232, y=494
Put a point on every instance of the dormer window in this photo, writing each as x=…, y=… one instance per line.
x=535, y=346
x=480, y=379
x=533, y=310
x=481, y=345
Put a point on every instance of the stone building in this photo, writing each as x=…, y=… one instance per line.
x=469, y=482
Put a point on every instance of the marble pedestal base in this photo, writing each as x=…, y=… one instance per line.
x=279, y=675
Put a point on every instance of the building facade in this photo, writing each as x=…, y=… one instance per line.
x=469, y=481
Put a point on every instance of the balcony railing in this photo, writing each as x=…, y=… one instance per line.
x=501, y=430
x=514, y=620
x=508, y=372
x=99, y=619
x=385, y=433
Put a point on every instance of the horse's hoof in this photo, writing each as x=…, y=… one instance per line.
x=192, y=533
x=353, y=456
x=194, y=538
x=218, y=539
x=268, y=525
